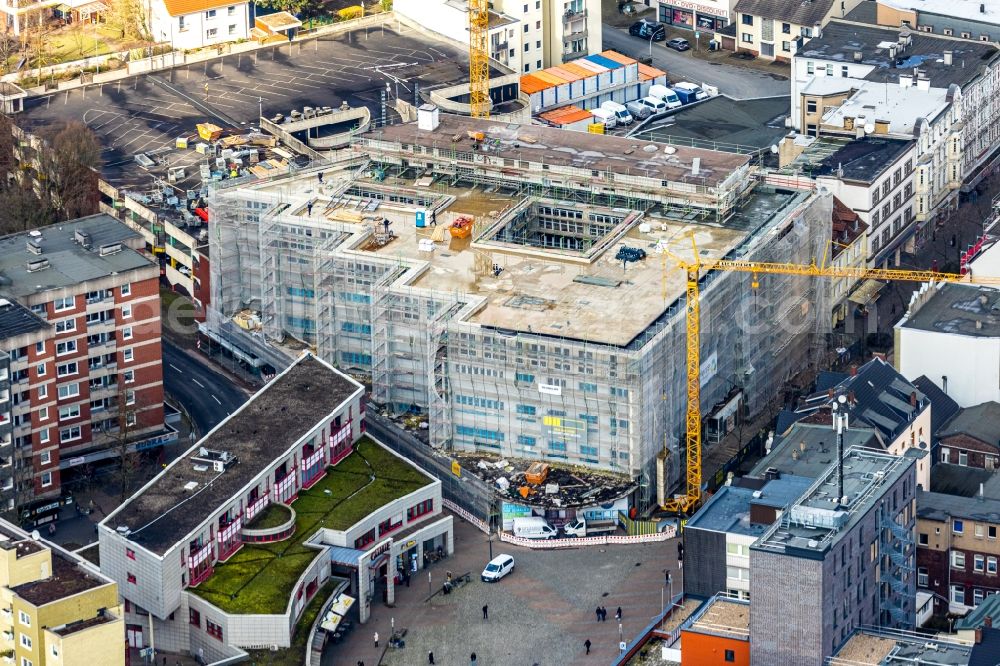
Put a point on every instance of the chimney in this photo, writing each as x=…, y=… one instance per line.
x=988, y=621
x=979, y=325
x=905, y=81
x=979, y=635
x=829, y=393
x=947, y=58
x=858, y=55
x=924, y=84
x=913, y=398
x=850, y=397
x=944, y=384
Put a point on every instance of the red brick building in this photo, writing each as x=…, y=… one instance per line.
x=80, y=325
x=972, y=437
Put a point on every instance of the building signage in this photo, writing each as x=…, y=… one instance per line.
x=701, y=9
x=550, y=389
x=709, y=368
x=73, y=462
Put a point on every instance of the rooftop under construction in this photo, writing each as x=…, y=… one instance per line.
x=525, y=307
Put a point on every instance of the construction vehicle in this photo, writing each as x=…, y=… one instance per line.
x=686, y=503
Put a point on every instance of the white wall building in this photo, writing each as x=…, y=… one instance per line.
x=700, y=15
x=949, y=333
x=193, y=24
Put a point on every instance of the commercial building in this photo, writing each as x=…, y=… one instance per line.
x=525, y=36
x=777, y=30
x=83, y=367
x=859, y=79
x=291, y=481
x=957, y=549
x=828, y=567
x=967, y=19
x=950, y=334
x=717, y=539
x=56, y=608
x=521, y=330
x=704, y=15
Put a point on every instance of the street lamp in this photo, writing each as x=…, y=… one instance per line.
x=653, y=34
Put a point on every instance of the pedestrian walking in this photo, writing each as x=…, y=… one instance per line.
x=618, y=614
x=486, y=612
x=472, y=659
x=430, y=657
x=597, y=612
x=604, y=614
x=586, y=644
x=376, y=639
x=320, y=177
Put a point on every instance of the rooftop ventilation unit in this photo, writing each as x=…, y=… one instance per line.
x=110, y=248
x=33, y=246
x=82, y=238
x=123, y=530
x=219, y=461
x=37, y=265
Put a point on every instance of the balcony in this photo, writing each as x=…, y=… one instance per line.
x=575, y=14
x=573, y=55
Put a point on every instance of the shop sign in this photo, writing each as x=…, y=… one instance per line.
x=701, y=9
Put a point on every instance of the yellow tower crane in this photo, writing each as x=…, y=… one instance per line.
x=479, y=59
x=684, y=504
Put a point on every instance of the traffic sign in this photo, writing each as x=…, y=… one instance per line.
x=697, y=34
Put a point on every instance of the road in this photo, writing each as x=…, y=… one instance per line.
x=737, y=82
x=207, y=395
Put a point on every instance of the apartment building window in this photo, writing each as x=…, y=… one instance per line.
x=747, y=38
x=24, y=618
x=526, y=27
x=786, y=28
x=126, y=289
x=958, y=560
x=957, y=594
x=922, y=577
x=210, y=14
x=66, y=369
x=538, y=65
x=43, y=437
x=129, y=397
x=69, y=390
x=71, y=412
x=43, y=413
x=786, y=46
x=945, y=454
x=211, y=33
x=810, y=67
x=66, y=326
x=747, y=19
x=538, y=44
x=46, y=457
x=963, y=458
x=731, y=655
x=806, y=32
x=922, y=538
x=26, y=641
x=25, y=661
x=127, y=355
x=978, y=563
x=55, y=651
x=232, y=29
x=538, y=25
x=129, y=553
x=991, y=565
x=126, y=312
x=68, y=347
x=69, y=434
x=231, y=10
x=40, y=369
x=991, y=532
x=979, y=531
x=46, y=479
x=61, y=304
x=194, y=617
x=180, y=24
x=977, y=597
x=128, y=376
x=829, y=69
x=811, y=106
x=131, y=578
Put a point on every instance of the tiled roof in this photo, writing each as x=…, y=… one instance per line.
x=799, y=13
x=182, y=7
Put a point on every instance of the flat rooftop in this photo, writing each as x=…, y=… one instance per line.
x=69, y=263
x=722, y=616
x=259, y=432
x=15, y=320
x=970, y=10
x=81, y=625
x=815, y=522
x=840, y=41
x=884, y=648
x=68, y=578
x=941, y=507
x=958, y=309
x=862, y=159
x=875, y=101
x=808, y=449
x=581, y=150
x=729, y=508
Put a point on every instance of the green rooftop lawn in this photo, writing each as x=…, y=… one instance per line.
x=260, y=577
x=273, y=515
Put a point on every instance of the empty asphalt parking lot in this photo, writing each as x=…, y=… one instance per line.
x=147, y=112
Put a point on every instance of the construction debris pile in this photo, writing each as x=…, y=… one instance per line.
x=544, y=485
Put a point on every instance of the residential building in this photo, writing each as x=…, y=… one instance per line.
x=972, y=437
x=193, y=24
x=885, y=412
x=718, y=632
x=704, y=15
x=20, y=16
x=718, y=537
x=873, y=176
x=967, y=19
x=57, y=609
x=297, y=442
x=957, y=549
x=828, y=567
x=777, y=30
x=848, y=250
x=525, y=35
x=86, y=367
x=945, y=100
x=950, y=334
x=507, y=346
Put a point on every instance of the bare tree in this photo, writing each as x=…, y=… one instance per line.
x=71, y=164
x=128, y=17
x=127, y=411
x=22, y=490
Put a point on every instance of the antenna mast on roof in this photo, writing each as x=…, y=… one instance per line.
x=840, y=424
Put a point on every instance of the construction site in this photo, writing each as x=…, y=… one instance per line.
x=515, y=288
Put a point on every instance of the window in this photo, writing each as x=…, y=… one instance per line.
x=922, y=538
x=231, y=10
x=180, y=24
x=991, y=565
x=194, y=617
x=129, y=397
x=786, y=28
x=232, y=29
x=922, y=577
x=730, y=655
x=748, y=19
x=129, y=553
x=63, y=348
x=69, y=434
x=977, y=597
x=747, y=38
x=957, y=526
x=24, y=618
x=25, y=661
x=26, y=641
x=127, y=333
x=66, y=326
x=40, y=370
x=69, y=390
x=526, y=409
x=991, y=532
x=958, y=560
x=806, y=32
x=46, y=479
x=67, y=413
x=130, y=578
x=126, y=289
x=588, y=388
x=43, y=436
x=390, y=524
x=844, y=71
x=979, y=530
x=421, y=509
x=127, y=355
x=127, y=309
x=957, y=594
x=829, y=69
x=945, y=454
x=43, y=413
x=210, y=14
x=128, y=376
x=786, y=46
x=963, y=458
x=66, y=369
x=61, y=304
x=55, y=651
x=211, y=33
x=810, y=68
x=978, y=563
x=811, y=106
x=130, y=418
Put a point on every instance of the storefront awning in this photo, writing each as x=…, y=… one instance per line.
x=347, y=557
x=867, y=293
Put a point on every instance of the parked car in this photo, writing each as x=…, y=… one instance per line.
x=653, y=105
x=678, y=44
x=499, y=566
x=648, y=29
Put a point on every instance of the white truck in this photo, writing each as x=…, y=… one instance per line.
x=609, y=119
x=579, y=528
x=533, y=527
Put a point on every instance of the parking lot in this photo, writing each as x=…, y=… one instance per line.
x=147, y=112
x=540, y=614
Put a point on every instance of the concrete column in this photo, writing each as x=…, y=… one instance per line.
x=390, y=584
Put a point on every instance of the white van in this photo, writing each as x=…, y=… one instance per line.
x=499, y=566
x=533, y=527
x=654, y=104
x=609, y=119
x=621, y=113
x=695, y=92
x=666, y=94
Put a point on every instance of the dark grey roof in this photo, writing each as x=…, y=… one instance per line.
x=865, y=12
x=827, y=379
x=942, y=406
x=980, y=421
x=746, y=126
x=957, y=479
x=257, y=434
x=987, y=651
x=15, y=319
x=807, y=449
x=863, y=159
x=841, y=40
x=941, y=507
x=807, y=12
x=68, y=262
x=962, y=309
x=729, y=509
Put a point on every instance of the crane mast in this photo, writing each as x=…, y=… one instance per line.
x=479, y=59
